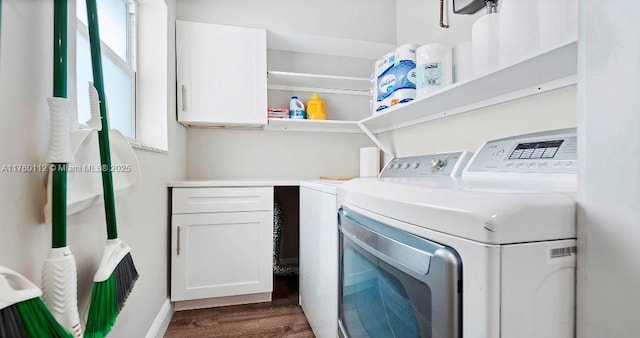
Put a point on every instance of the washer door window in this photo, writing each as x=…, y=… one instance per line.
x=395, y=284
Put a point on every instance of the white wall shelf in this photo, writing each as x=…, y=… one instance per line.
x=313, y=125
x=320, y=83
x=549, y=70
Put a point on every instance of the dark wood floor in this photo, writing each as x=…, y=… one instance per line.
x=281, y=317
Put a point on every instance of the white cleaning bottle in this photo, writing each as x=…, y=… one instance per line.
x=296, y=109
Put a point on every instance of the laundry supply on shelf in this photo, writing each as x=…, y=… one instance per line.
x=404, y=69
x=433, y=68
x=519, y=34
x=394, y=78
x=296, y=109
x=485, y=41
x=315, y=108
x=462, y=61
x=383, y=82
x=277, y=113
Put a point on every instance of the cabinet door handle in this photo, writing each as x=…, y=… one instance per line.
x=178, y=242
x=184, y=97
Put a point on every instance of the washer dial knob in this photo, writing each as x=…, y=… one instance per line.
x=438, y=164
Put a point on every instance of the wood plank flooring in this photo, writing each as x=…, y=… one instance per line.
x=281, y=317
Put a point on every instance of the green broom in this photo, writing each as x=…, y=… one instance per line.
x=59, y=283
x=22, y=312
x=117, y=273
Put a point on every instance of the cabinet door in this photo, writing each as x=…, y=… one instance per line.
x=221, y=74
x=319, y=261
x=221, y=254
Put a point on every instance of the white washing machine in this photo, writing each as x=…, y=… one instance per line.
x=487, y=254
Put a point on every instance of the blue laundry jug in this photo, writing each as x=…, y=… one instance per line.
x=296, y=109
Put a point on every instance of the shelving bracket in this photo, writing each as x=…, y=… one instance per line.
x=384, y=147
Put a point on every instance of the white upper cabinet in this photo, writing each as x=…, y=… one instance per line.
x=221, y=74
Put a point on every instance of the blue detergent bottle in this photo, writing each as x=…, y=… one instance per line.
x=296, y=109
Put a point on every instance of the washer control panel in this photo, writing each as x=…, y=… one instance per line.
x=549, y=152
x=445, y=164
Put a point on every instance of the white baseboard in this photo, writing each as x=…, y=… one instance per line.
x=161, y=323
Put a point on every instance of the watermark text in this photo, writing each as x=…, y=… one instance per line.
x=71, y=168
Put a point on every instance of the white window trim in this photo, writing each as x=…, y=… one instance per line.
x=152, y=76
x=112, y=55
x=132, y=37
x=129, y=65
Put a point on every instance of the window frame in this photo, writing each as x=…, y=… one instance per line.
x=129, y=65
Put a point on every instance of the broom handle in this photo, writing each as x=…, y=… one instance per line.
x=103, y=134
x=59, y=174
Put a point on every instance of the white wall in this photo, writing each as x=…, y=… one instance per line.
x=418, y=21
x=231, y=154
x=353, y=19
x=25, y=82
x=609, y=173
x=468, y=131
x=215, y=153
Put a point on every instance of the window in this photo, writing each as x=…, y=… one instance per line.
x=117, y=20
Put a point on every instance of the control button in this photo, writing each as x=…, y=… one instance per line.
x=527, y=153
x=415, y=165
x=520, y=164
x=550, y=152
x=537, y=153
x=531, y=165
x=510, y=165
x=569, y=164
x=557, y=164
x=438, y=164
x=516, y=153
x=405, y=165
x=543, y=164
x=500, y=152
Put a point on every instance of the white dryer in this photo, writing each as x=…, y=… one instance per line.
x=488, y=254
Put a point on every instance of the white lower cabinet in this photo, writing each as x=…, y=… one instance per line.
x=319, y=257
x=221, y=253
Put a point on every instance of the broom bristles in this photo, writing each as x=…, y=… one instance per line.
x=30, y=319
x=108, y=298
x=10, y=323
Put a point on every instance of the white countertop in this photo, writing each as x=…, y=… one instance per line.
x=250, y=182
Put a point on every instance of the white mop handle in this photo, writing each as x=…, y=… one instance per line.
x=14, y=288
x=60, y=145
x=59, y=288
x=95, y=122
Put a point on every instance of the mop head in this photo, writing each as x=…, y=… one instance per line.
x=22, y=312
x=30, y=319
x=110, y=290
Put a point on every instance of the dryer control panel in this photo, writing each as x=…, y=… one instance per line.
x=549, y=152
x=444, y=164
